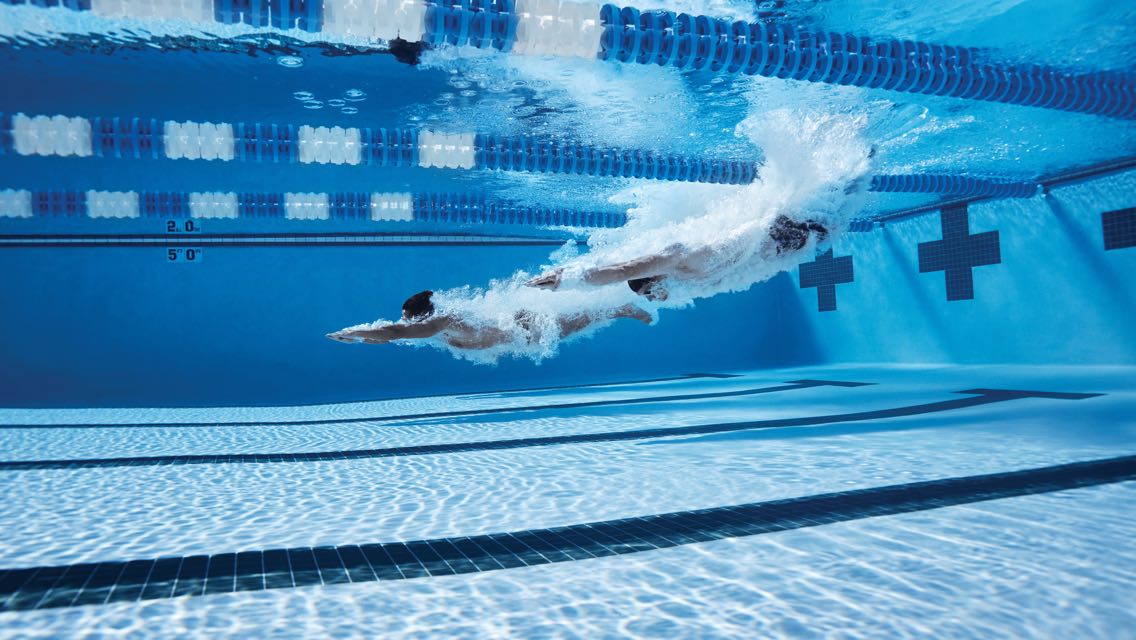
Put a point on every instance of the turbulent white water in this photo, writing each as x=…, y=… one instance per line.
x=814, y=169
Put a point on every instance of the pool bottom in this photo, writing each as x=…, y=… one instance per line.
x=1023, y=567
x=212, y=511
x=170, y=577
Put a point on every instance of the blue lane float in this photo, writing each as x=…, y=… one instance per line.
x=768, y=47
x=151, y=138
x=423, y=207
x=953, y=185
x=445, y=208
x=253, y=142
x=782, y=50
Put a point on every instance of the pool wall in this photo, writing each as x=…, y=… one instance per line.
x=119, y=327
x=1054, y=295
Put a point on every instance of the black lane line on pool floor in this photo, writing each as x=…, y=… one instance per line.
x=151, y=579
x=789, y=386
x=981, y=397
x=521, y=392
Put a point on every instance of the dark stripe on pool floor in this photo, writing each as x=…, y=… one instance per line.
x=521, y=392
x=789, y=386
x=981, y=397
x=98, y=583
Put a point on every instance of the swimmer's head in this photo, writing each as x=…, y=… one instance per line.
x=418, y=306
x=650, y=288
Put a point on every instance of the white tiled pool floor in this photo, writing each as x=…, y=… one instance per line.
x=1050, y=564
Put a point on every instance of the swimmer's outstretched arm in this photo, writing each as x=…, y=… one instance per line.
x=393, y=331
x=644, y=267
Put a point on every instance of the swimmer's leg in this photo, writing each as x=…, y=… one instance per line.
x=479, y=339
x=577, y=322
x=632, y=311
x=645, y=267
x=660, y=263
x=574, y=323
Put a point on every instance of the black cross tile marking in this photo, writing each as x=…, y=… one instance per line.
x=38, y=587
x=825, y=273
x=959, y=252
x=1119, y=228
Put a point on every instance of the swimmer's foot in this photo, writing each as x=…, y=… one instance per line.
x=632, y=311
x=549, y=280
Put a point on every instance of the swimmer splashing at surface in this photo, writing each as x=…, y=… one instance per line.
x=648, y=275
x=682, y=242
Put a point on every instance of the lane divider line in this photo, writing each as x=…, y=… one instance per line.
x=96, y=583
x=979, y=397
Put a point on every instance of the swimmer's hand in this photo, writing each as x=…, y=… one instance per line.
x=548, y=280
x=355, y=336
x=344, y=336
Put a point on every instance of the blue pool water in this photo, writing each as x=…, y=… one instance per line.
x=919, y=425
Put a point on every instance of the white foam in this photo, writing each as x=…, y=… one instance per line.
x=811, y=161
